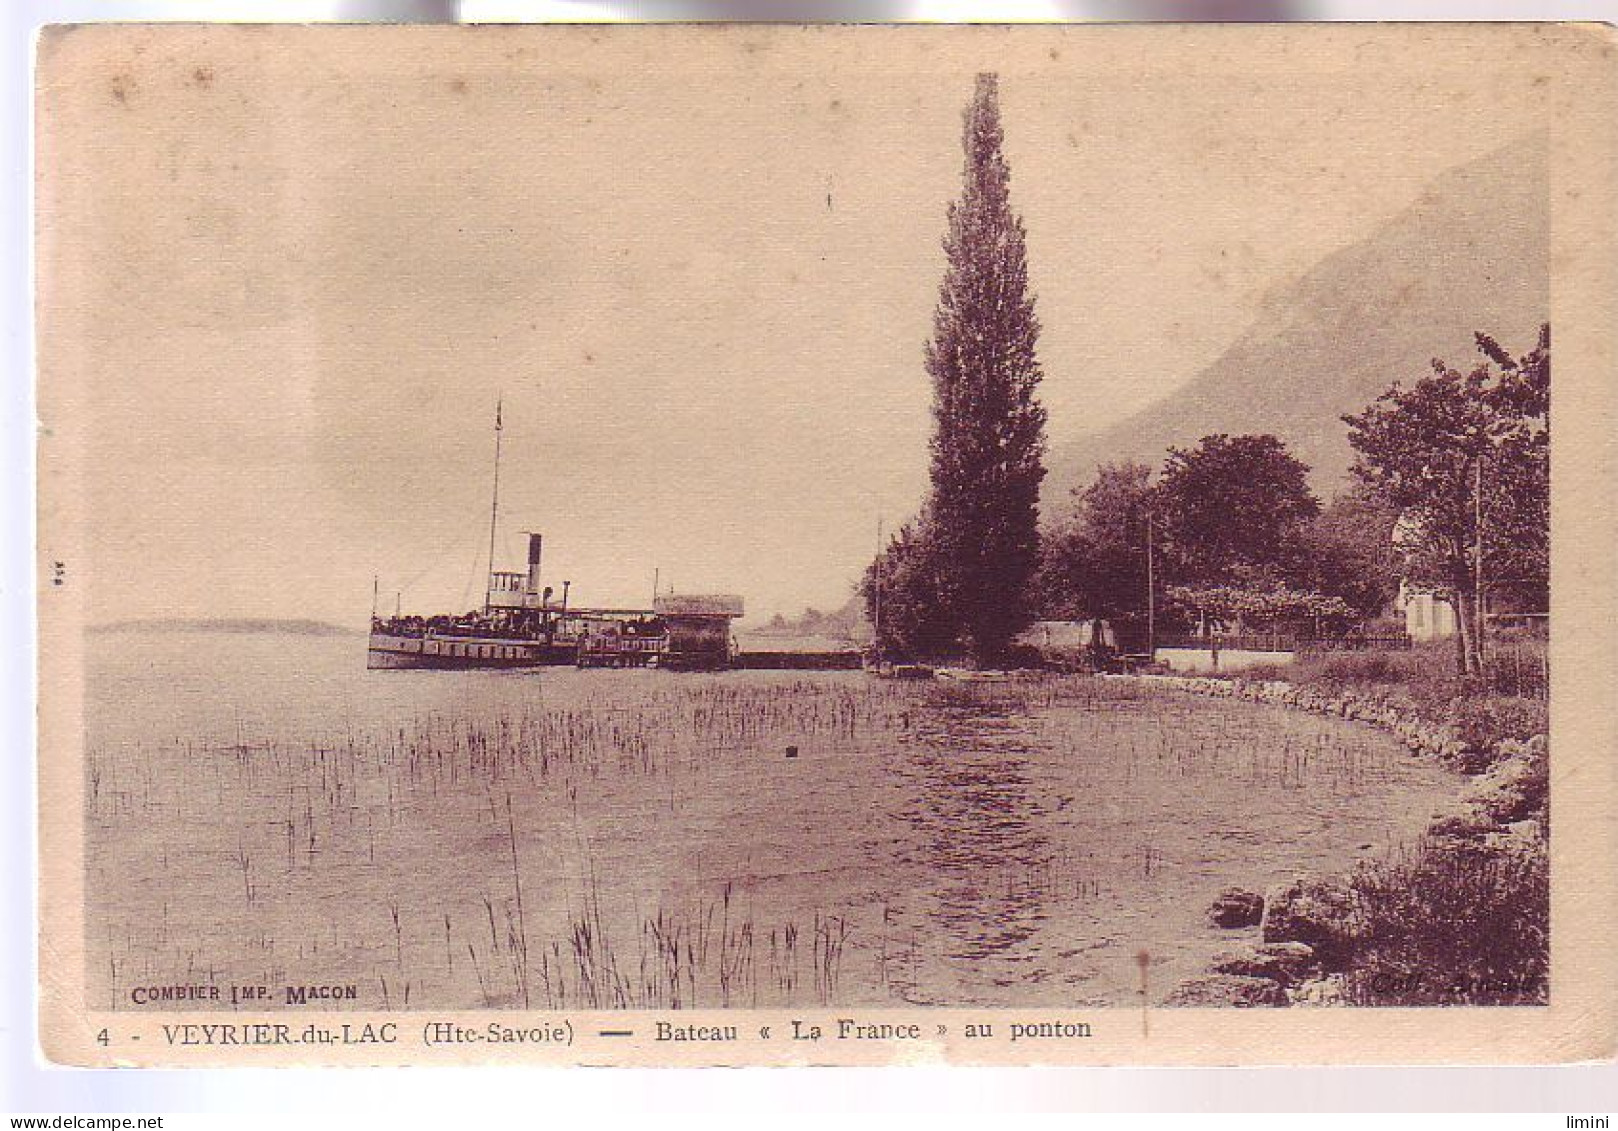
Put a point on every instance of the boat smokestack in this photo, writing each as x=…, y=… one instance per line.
x=534, y=543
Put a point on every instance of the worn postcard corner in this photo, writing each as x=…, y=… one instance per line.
x=719, y=545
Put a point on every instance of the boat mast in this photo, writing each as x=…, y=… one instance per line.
x=494, y=507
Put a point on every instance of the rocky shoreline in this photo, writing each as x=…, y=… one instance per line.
x=1309, y=927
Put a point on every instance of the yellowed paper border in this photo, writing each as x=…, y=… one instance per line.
x=1575, y=67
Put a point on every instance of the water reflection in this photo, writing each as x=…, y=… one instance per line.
x=964, y=796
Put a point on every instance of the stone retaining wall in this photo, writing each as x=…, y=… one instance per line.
x=1418, y=733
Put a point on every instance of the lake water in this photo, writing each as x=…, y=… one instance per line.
x=264, y=811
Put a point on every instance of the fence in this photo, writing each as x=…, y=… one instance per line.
x=1288, y=642
x=1518, y=669
x=1235, y=641
x=1359, y=642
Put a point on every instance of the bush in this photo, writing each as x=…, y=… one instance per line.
x=1482, y=719
x=1425, y=674
x=1362, y=667
x=1456, y=924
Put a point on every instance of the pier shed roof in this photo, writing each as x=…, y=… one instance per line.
x=698, y=605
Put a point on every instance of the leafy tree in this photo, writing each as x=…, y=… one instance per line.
x=1275, y=606
x=1093, y=564
x=1351, y=553
x=988, y=438
x=1235, y=509
x=900, y=592
x=1465, y=460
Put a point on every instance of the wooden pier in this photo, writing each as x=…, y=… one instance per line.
x=841, y=660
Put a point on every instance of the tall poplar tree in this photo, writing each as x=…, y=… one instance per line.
x=989, y=428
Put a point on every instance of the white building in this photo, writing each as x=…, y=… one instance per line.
x=1427, y=617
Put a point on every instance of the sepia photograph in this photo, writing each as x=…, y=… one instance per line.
x=823, y=544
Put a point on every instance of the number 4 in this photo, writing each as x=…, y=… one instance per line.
x=103, y=1038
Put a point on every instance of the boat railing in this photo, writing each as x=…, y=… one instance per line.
x=415, y=628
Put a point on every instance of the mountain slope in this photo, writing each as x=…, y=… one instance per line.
x=1472, y=253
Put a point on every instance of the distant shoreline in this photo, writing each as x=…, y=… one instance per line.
x=294, y=627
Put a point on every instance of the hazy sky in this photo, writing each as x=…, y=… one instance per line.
x=291, y=275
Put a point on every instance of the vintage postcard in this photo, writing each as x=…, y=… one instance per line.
x=774, y=545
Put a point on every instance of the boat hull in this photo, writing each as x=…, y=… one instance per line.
x=387, y=652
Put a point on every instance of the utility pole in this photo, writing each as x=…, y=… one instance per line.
x=1151, y=593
